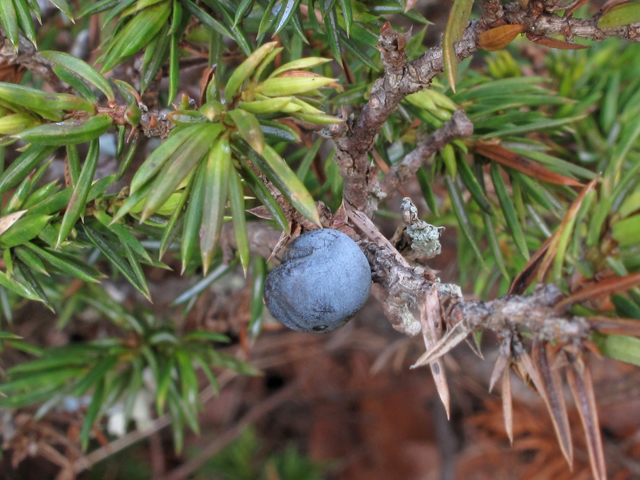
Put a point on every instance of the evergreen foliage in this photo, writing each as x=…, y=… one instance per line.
x=545, y=190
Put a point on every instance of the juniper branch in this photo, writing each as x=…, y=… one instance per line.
x=399, y=81
x=548, y=23
x=402, y=79
x=492, y=12
x=458, y=127
x=27, y=57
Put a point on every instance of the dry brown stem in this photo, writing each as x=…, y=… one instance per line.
x=27, y=57
x=402, y=79
x=552, y=24
x=458, y=127
x=492, y=12
x=387, y=92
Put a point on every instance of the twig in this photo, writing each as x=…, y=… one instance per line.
x=458, y=127
x=257, y=412
x=386, y=94
x=156, y=453
x=102, y=453
x=400, y=81
x=398, y=314
x=552, y=24
x=492, y=12
x=534, y=313
x=27, y=56
x=86, y=462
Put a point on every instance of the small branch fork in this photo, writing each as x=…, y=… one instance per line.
x=386, y=93
x=458, y=127
x=402, y=79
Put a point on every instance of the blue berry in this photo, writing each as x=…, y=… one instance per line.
x=322, y=282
